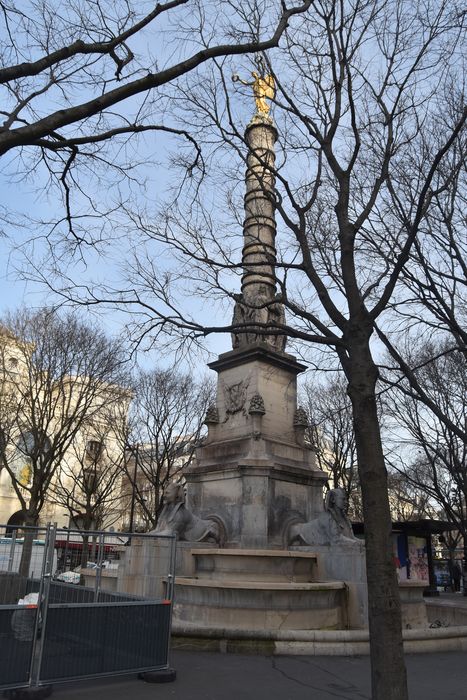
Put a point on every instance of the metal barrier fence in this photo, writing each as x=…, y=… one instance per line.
x=79, y=604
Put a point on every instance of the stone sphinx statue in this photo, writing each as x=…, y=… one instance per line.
x=332, y=526
x=177, y=519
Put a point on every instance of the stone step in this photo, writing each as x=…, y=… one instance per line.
x=255, y=565
x=261, y=604
x=260, y=585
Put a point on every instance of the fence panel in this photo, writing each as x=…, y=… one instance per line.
x=111, y=614
x=103, y=605
x=16, y=644
x=90, y=639
x=22, y=567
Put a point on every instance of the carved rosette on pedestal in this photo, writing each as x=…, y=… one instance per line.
x=256, y=405
x=256, y=411
x=300, y=424
x=212, y=415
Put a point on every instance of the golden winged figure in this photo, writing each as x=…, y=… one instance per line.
x=263, y=89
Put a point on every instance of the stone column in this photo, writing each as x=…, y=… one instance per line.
x=257, y=303
x=255, y=473
x=259, y=229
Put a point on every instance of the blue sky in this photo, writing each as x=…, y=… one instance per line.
x=23, y=193
x=16, y=290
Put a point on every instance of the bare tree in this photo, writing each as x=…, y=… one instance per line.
x=89, y=481
x=428, y=359
x=82, y=82
x=364, y=138
x=331, y=433
x=166, y=425
x=358, y=108
x=435, y=455
x=408, y=500
x=432, y=303
x=59, y=373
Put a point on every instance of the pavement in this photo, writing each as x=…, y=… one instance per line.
x=213, y=676
x=448, y=598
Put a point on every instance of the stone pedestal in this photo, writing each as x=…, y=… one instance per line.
x=259, y=590
x=143, y=567
x=255, y=472
x=345, y=562
x=414, y=611
x=255, y=475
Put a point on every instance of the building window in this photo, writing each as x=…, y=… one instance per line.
x=28, y=449
x=90, y=480
x=94, y=449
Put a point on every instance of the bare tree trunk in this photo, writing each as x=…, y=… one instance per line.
x=389, y=678
x=26, y=553
x=85, y=551
x=464, y=568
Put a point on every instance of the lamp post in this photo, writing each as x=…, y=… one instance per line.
x=133, y=490
x=464, y=561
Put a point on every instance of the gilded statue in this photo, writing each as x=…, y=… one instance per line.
x=263, y=89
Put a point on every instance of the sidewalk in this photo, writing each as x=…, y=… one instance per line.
x=208, y=676
x=448, y=598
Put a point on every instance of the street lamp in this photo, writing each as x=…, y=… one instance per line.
x=133, y=490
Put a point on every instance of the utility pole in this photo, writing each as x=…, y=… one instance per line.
x=135, y=451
